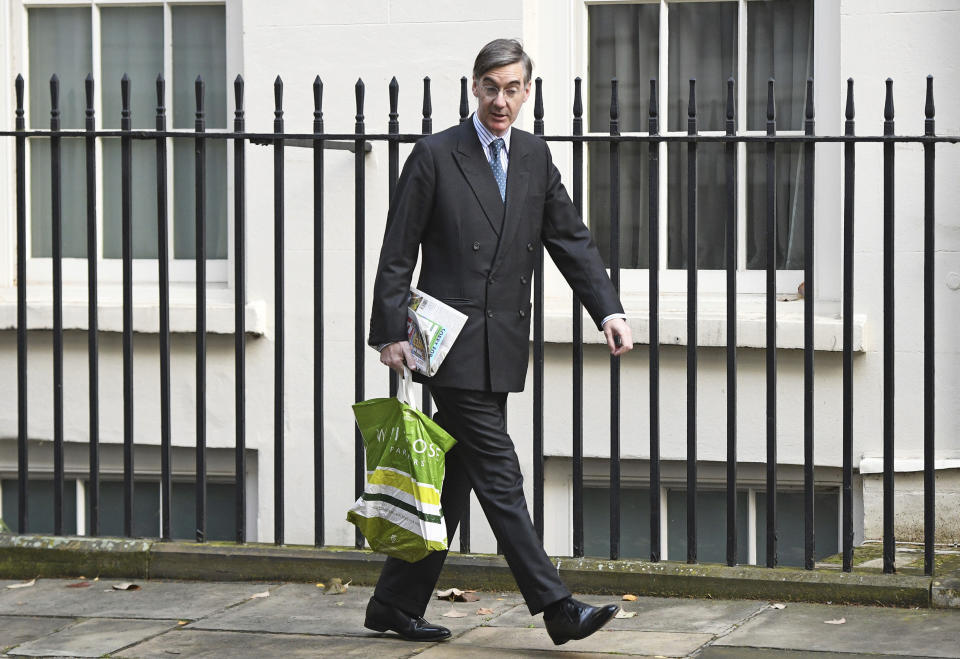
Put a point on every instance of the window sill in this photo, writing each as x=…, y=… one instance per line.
x=712, y=323
x=146, y=310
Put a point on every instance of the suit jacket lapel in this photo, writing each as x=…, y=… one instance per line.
x=470, y=157
x=518, y=175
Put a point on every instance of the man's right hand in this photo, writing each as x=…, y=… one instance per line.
x=396, y=354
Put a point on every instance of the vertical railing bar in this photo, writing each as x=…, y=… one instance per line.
x=771, y=339
x=278, y=270
x=577, y=412
x=889, y=541
x=426, y=127
x=614, y=360
x=849, y=161
x=653, y=273
x=200, y=197
x=93, y=371
x=393, y=165
x=318, y=334
x=538, y=375
x=731, y=266
x=808, y=354
x=359, y=247
x=22, y=398
x=239, y=307
x=126, y=231
x=56, y=217
x=929, y=388
x=163, y=265
x=692, y=327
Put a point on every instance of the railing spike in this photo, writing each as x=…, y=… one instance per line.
x=277, y=98
x=928, y=109
x=161, y=92
x=888, y=101
x=88, y=90
x=771, y=103
x=394, y=93
x=577, y=97
x=809, y=112
x=317, y=98
x=54, y=96
x=850, y=113
x=692, y=104
x=538, y=107
x=731, y=101
x=198, y=90
x=654, y=104
x=464, y=107
x=18, y=86
x=359, y=91
x=238, y=93
x=614, y=100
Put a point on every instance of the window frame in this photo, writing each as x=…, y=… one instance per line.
x=145, y=271
x=827, y=184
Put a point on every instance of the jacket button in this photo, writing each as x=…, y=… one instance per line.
x=523, y=280
x=522, y=314
x=529, y=247
x=491, y=281
x=489, y=314
x=476, y=246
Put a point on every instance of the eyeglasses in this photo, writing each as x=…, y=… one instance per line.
x=491, y=92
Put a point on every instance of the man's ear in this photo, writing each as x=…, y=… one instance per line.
x=526, y=91
x=476, y=91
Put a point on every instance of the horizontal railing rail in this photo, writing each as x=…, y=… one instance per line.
x=360, y=142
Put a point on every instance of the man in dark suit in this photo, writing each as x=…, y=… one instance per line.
x=480, y=199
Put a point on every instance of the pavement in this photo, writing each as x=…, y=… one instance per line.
x=92, y=618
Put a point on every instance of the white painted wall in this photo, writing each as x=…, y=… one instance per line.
x=378, y=39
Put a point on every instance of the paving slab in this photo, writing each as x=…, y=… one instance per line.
x=154, y=599
x=522, y=640
x=444, y=651
x=92, y=638
x=15, y=630
x=657, y=614
x=714, y=652
x=867, y=629
x=306, y=609
x=245, y=645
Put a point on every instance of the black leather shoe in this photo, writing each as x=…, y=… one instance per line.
x=576, y=620
x=381, y=618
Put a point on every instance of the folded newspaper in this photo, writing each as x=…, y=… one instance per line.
x=432, y=327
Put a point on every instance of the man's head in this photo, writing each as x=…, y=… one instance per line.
x=501, y=83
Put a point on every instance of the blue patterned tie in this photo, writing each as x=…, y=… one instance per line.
x=497, y=168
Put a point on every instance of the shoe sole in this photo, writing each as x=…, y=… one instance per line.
x=570, y=638
x=383, y=628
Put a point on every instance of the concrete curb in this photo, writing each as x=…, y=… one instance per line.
x=24, y=557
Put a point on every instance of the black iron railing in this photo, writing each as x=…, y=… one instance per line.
x=359, y=142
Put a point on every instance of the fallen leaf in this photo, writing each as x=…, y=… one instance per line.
x=484, y=612
x=838, y=621
x=454, y=613
x=25, y=584
x=321, y=585
x=183, y=622
x=625, y=614
x=629, y=598
x=457, y=595
x=778, y=605
x=340, y=603
x=79, y=584
x=265, y=593
x=499, y=599
x=336, y=586
x=126, y=585
x=449, y=593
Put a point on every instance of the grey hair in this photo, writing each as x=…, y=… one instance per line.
x=502, y=52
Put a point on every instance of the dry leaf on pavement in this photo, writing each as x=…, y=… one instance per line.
x=838, y=621
x=126, y=585
x=336, y=586
x=625, y=614
x=25, y=584
x=79, y=584
x=457, y=595
x=265, y=593
x=629, y=598
x=183, y=622
x=454, y=613
x=484, y=612
x=321, y=585
x=778, y=605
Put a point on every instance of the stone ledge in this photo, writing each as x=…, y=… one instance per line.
x=24, y=557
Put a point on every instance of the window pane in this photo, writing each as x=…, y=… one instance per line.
x=634, y=522
x=634, y=202
x=790, y=526
x=60, y=42
x=146, y=509
x=199, y=49
x=73, y=198
x=221, y=518
x=131, y=42
x=790, y=206
x=779, y=45
x=184, y=199
x=711, y=526
x=39, y=506
x=703, y=45
x=711, y=206
x=143, y=184
x=623, y=45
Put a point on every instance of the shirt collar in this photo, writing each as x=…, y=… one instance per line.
x=486, y=137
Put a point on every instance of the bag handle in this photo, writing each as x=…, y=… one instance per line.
x=405, y=392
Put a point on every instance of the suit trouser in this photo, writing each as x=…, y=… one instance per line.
x=484, y=459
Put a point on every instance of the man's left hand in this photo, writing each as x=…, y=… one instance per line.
x=618, y=336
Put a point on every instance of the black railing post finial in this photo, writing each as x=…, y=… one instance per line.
x=125, y=102
x=731, y=103
x=277, y=100
x=538, y=107
x=394, y=93
x=654, y=112
x=54, y=100
x=808, y=109
x=614, y=107
x=771, y=105
x=161, y=93
x=359, y=92
x=928, y=107
x=578, y=99
x=18, y=86
x=426, y=124
x=464, y=107
x=88, y=92
x=317, y=105
x=888, y=101
x=692, y=108
x=198, y=89
x=850, y=112
x=238, y=113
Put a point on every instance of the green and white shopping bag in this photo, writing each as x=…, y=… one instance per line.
x=399, y=511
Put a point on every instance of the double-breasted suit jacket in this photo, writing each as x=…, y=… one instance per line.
x=478, y=252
